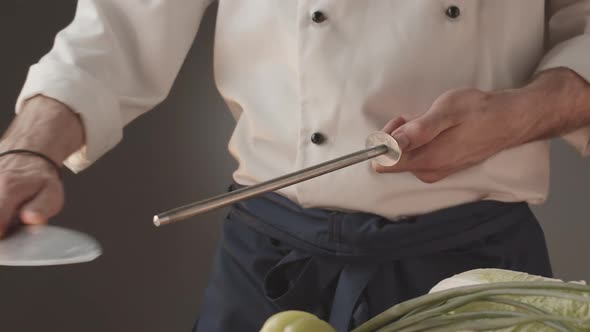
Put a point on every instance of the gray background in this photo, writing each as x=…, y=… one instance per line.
x=152, y=279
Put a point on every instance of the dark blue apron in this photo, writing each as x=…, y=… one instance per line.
x=348, y=267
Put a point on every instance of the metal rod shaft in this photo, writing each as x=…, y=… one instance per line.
x=216, y=202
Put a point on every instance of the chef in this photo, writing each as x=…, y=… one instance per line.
x=471, y=91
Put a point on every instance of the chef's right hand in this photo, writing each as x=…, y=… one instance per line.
x=31, y=190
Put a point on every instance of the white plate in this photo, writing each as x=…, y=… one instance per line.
x=47, y=245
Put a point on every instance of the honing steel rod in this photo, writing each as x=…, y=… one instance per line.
x=216, y=202
x=378, y=145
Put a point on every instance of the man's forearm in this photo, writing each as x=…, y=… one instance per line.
x=47, y=126
x=464, y=127
x=555, y=103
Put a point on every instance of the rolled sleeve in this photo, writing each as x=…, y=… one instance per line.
x=569, y=47
x=575, y=55
x=97, y=106
x=114, y=62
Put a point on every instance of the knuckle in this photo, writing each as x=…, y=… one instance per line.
x=428, y=177
x=457, y=100
x=418, y=130
x=418, y=127
x=449, y=96
x=453, y=97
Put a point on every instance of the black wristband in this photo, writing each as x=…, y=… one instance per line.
x=33, y=153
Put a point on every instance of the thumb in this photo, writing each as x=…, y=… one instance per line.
x=422, y=130
x=393, y=124
x=47, y=203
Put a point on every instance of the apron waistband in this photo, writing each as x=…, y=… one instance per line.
x=325, y=245
x=360, y=236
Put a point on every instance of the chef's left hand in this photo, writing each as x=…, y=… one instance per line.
x=466, y=126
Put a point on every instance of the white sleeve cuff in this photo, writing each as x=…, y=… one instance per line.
x=580, y=139
x=96, y=105
x=573, y=54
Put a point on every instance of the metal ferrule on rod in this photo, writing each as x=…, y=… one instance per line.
x=216, y=202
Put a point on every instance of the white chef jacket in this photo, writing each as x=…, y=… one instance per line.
x=340, y=68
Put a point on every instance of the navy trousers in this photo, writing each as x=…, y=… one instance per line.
x=348, y=267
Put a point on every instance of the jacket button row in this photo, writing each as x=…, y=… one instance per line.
x=452, y=12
